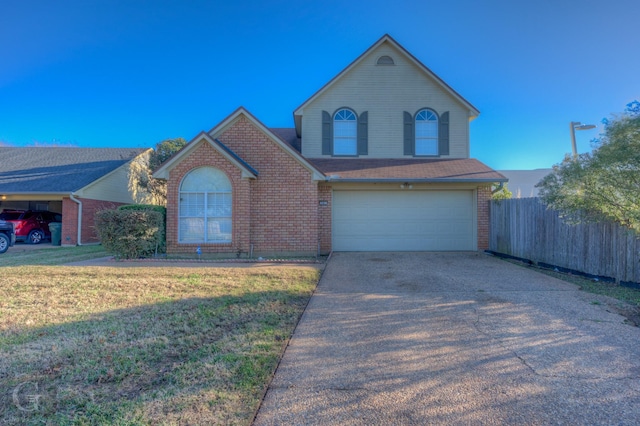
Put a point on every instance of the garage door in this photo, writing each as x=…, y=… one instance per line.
x=403, y=220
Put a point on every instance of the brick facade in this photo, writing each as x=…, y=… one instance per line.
x=275, y=213
x=324, y=217
x=70, y=220
x=283, y=210
x=484, y=196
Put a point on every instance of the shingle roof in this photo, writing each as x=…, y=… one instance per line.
x=425, y=170
x=56, y=169
x=289, y=136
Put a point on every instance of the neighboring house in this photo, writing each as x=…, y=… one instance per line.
x=522, y=183
x=378, y=160
x=75, y=182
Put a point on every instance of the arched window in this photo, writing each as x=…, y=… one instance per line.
x=385, y=60
x=205, y=207
x=345, y=133
x=426, y=133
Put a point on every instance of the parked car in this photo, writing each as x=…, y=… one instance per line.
x=7, y=236
x=31, y=226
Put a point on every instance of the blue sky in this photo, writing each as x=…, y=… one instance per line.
x=132, y=73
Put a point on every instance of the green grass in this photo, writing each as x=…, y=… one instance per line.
x=21, y=254
x=142, y=346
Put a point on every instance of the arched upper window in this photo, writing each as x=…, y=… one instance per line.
x=345, y=132
x=385, y=60
x=426, y=133
x=205, y=209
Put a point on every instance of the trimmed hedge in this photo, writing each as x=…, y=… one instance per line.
x=159, y=209
x=131, y=233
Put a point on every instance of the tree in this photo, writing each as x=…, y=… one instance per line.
x=501, y=193
x=144, y=188
x=605, y=183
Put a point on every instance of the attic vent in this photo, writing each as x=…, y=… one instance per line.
x=385, y=60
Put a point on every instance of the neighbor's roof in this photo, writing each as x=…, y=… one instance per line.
x=56, y=169
x=410, y=170
x=522, y=183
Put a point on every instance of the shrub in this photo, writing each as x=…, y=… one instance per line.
x=131, y=233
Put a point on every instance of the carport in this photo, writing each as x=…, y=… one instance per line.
x=75, y=182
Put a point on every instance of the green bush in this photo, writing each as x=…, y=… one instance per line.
x=131, y=233
x=138, y=207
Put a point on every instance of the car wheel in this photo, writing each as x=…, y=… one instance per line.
x=35, y=237
x=4, y=243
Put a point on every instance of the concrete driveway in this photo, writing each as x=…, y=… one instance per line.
x=453, y=338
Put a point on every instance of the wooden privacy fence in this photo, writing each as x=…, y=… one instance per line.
x=525, y=229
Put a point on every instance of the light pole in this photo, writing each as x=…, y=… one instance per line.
x=576, y=125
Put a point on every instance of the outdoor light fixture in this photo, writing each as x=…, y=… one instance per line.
x=576, y=125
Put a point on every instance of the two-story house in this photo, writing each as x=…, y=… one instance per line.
x=378, y=160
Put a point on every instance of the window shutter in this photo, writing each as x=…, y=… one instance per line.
x=443, y=134
x=363, y=133
x=409, y=136
x=327, y=134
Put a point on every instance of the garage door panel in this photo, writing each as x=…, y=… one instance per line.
x=403, y=220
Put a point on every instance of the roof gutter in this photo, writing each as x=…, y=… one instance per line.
x=425, y=180
x=79, y=203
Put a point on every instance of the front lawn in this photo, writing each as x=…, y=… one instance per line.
x=24, y=254
x=143, y=345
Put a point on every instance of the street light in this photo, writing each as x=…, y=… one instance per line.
x=576, y=125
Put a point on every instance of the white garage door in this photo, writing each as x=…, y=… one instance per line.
x=406, y=220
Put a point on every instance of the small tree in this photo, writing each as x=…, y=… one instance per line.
x=603, y=184
x=501, y=193
x=144, y=188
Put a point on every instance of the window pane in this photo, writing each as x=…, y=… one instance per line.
x=426, y=147
x=426, y=129
x=426, y=133
x=219, y=230
x=191, y=229
x=344, y=146
x=206, y=179
x=345, y=131
x=191, y=204
x=205, y=207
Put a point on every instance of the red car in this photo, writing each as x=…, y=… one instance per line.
x=31, y=226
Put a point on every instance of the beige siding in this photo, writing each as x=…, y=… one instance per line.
x=385, y=91
x=112, y=187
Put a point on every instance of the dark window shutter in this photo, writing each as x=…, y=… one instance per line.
x=363, y=133
x=409, y=135
x=443, y=134
x=327, y=134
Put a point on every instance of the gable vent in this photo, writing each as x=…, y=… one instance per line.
x=385, y=60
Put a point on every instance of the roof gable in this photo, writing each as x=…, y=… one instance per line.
x=247, y=171
x=386, y=39
x=163, y=171
x=58, y=170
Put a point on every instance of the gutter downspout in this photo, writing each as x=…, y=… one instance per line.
x=79, y=203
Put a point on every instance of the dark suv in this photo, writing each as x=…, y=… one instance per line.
x=31, y=226
x=7, y=236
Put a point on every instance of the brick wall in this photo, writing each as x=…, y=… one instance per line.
x=70, y=220
x=324, y=217
x=284, y=198
x=275, y=213
x=484, y=195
